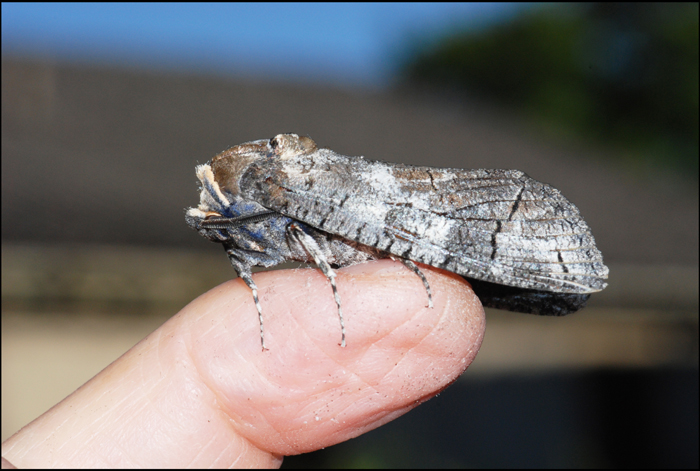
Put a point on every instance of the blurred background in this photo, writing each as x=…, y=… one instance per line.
x=106, y=110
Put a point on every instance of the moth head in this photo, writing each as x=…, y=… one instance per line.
x=229, y=165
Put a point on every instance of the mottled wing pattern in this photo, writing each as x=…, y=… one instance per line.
x=491, y=225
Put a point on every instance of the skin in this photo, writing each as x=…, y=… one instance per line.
x=200, y=392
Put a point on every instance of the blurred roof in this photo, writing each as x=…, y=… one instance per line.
x=107, y=156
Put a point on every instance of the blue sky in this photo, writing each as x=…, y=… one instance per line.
x=345, y=44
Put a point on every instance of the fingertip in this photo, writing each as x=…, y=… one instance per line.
x=398, y=351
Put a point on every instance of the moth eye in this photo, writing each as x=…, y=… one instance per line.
x=274, y=143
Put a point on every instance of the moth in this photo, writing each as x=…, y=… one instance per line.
x=520, y=243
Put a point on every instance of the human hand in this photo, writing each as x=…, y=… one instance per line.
x=199, y=392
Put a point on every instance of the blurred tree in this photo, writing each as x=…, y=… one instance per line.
x=625, y=74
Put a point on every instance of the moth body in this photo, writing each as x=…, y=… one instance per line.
x=523, y=246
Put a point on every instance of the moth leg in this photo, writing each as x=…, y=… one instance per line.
x=417, y=271
x=315, y=251
x=244, y=274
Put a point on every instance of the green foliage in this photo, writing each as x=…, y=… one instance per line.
x=624, y=74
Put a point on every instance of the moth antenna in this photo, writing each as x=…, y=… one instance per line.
x=417, y=271
x=315, y=251
x=232, y=223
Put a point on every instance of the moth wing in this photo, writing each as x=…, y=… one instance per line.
x=498, y=226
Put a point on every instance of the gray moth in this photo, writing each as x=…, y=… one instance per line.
x=519, y=242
